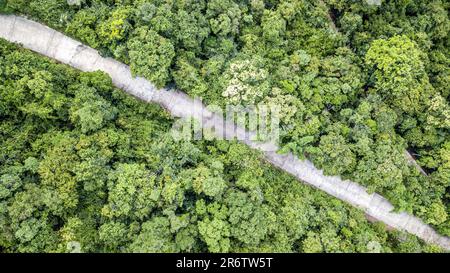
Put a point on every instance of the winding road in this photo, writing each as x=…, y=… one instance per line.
x=55, y=45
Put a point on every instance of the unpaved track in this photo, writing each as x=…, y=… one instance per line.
x=53, y=44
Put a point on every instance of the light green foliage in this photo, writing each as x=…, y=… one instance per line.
x=312, y=244
x=216, y=234
x=115, y=27
x=90, y=112
x=132, y=192
x=208, y=180
x=59, y=186
x=399, y=72
x=273, y=26
x=437, y=214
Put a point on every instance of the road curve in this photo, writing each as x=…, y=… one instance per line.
x=55, y=45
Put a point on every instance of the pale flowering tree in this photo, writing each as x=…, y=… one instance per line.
x=439, y=113
x=247, y=82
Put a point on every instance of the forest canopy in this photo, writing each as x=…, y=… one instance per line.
x=360, y=85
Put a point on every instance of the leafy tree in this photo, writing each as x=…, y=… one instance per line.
x=154, y=237
x=334, y=150
x=399, y=72
x=150, y=55
x=246, y=218
x=132, y=192
x=245, y=81
x=216, y=234
x=114, y=235
x=114, y=28
x=90, y=112
x=84, y=167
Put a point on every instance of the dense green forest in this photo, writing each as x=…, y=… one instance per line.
x=85, y=167
x=359, y=84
